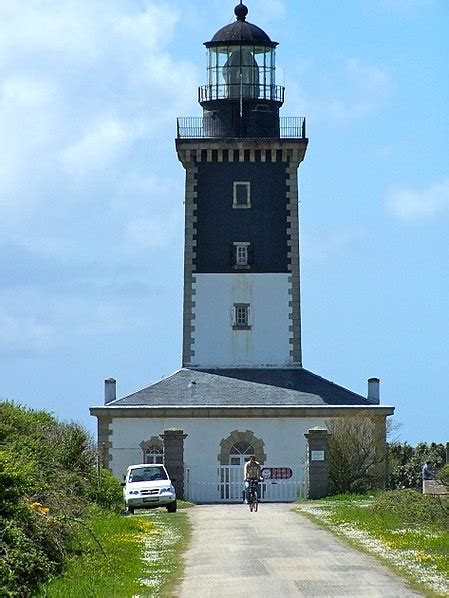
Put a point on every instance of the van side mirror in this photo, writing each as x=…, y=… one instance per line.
x=122, y=484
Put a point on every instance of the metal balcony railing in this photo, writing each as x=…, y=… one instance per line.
x=197, y=127
x=274, y=93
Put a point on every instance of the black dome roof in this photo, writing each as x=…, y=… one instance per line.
x=240, y=32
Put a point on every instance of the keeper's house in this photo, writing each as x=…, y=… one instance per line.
x=242, y=388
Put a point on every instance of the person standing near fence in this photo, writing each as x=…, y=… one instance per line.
x=427, y=475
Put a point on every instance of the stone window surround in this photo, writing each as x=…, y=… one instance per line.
x=235, y=323
x=151, y=443
x=245, y=263
x=248, y=437
x=235, y=203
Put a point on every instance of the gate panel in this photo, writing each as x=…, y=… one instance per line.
x=224, y=483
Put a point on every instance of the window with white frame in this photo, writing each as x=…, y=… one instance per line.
x=241, y=254
x=241, y=316
x=154, y=454
x=241, y=194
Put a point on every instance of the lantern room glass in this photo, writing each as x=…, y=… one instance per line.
x=244, y=71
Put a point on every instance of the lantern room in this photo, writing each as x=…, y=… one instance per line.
x=241, y=98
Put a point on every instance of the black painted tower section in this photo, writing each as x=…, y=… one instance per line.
x=220, y=225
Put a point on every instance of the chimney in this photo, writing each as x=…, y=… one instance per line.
x=374, y=390
x=110, y=390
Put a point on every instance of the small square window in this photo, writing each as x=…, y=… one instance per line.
x=241, y=316
x=241, y=195
x=241, y=255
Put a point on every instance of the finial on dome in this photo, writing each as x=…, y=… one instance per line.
x=241, y=11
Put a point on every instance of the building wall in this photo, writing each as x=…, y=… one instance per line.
x=216, y=343
x=284, y=441
x=216, y=222
x=264, y=225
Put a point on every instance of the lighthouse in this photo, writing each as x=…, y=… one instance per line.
x=242, y=388
x=241, y=265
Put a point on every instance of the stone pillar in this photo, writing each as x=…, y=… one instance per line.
x=318, y=462
x=174, y=458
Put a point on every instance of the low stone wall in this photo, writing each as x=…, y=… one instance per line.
x=433, y=487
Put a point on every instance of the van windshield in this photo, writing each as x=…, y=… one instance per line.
x=147, y=474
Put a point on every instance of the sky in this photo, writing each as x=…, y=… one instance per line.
x=91, y=194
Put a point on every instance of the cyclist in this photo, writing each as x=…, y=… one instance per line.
x=252, y=471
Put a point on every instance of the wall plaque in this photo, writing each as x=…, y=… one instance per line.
x=317, y=455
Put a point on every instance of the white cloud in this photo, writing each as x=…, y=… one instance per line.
x=104, y=143
x=30, y=323
x=23, y=333
x=151, y=232
x=326, y=245
x=415, y=205
x=88, y=88
x=366, y=89
x=340, y=92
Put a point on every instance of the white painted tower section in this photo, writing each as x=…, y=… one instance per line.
x=267, y=339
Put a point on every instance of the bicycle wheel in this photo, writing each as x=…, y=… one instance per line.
x=251, y=503
x=256, y=501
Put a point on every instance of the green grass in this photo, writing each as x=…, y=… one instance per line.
x=143, y=557
x=407, y=531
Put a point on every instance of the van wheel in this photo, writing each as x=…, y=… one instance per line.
x=171, y=508
x=129, y=510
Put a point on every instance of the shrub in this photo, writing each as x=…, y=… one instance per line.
x=352, y=455
x=107, y=491
x=48, y=480
x=443, y=475
x=406, y=461
x=412, y=508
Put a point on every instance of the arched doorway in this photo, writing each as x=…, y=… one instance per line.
x=236, y=449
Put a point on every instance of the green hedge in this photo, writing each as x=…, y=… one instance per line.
x=48, y=484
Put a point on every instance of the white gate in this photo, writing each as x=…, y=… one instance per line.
x=224, y=483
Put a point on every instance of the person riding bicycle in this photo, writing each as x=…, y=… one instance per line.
x=252, y=472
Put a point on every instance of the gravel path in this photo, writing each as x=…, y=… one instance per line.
x=276, y=553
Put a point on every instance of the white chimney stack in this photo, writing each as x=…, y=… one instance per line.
x=110, y=390
x=374, y=390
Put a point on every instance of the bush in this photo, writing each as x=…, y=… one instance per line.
x=107, y=491
x=406, y=461
x=443, y=476
x=48, y=481
x=353, y=456
x=412, y=508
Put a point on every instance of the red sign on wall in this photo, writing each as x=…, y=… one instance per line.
x=276, y=473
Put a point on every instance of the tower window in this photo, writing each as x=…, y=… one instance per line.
x=241, y=195
x=241, y=255
x=241, y=316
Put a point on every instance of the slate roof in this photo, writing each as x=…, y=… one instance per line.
x=242, y=388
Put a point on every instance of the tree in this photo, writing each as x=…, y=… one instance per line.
x=354, y=454
x=406, y=461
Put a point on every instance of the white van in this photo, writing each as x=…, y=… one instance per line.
x=148, y=486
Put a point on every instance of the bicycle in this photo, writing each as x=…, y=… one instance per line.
x=251, y=495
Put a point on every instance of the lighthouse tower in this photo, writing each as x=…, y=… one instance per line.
x=241, y=268
x=242, y=389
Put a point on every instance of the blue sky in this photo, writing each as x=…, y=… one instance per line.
x=91, y=193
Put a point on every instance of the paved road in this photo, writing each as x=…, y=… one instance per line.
x=276, y=553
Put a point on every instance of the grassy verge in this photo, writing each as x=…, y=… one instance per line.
x=406, y=531
x=142, y=557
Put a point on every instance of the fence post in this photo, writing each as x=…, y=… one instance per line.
x=174, y=458
x=318, y=462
